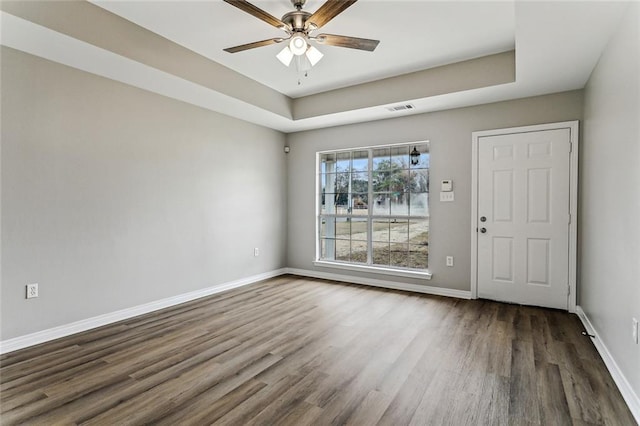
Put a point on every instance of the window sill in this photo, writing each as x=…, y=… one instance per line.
x=424, y=275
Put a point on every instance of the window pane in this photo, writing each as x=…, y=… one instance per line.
x=381, y=204
x=328, y=163
x=327, y=204
x=380, y=230
x=423, y=161
x=359, y=230
x=419, y=180
x=327, y=249
x=381, y=253
x=399, y=203
x=360, y=182
x=419, y=232
x=328, y=182
x=398, y=180
x=399, y=231
x=341, y=183
x=400, y=156
x=419, y=204
x=418, y=256
x=399, y=255
x=380, y=181
x=342, y=250
x=381, y=156
x=359, y=251
x=360, y=204
x=328, y=227
x=343, y=227
x=343, y=162
x=360, y=161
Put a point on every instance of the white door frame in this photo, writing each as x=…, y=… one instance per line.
x=573, y=200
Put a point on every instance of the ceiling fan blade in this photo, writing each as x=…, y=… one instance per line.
x=329, y=10
x=245, y=6
x=350, y=42
x=253, y=45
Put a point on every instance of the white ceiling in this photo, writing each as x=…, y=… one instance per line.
x=557, y=45
x=442, y=32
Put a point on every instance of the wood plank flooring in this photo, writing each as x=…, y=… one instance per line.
x=297, y=351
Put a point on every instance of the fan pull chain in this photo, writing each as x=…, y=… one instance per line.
x=306, y=74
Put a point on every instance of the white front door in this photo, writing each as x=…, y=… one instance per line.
x=523, y=199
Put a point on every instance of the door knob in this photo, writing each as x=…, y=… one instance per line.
x=483, y=230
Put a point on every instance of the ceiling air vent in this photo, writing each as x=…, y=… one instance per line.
x=404, y=107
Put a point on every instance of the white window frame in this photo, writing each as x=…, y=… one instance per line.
x=361, y=267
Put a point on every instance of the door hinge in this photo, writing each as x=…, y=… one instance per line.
x=570, y=147
x=569, y=219
x=568, y=290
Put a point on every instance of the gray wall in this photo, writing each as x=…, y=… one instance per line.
x=610, y=197
x=113, y=197
x=450, y=136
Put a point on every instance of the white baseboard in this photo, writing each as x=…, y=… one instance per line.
x=438, y=291
x=36, y=338
x=630, y=397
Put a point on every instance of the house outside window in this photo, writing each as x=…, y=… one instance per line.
x=373, y=207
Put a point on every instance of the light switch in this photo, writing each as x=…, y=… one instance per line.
x=447, y=197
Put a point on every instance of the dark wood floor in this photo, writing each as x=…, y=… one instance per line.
x=295, y=351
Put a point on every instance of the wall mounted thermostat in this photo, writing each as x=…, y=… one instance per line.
x=446, y=186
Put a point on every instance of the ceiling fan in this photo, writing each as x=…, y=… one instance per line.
x=299, y=26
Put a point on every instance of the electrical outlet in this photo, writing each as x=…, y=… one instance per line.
x=449, y=260
x=635, y=330
x=32, y=290
x=256, y=252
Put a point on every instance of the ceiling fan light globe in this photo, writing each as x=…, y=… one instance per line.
x=285, y=56
x=314, y=55
x=298, y=45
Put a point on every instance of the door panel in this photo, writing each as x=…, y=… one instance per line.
x=539, y=191
x=538, y=261
x=502, y=259
x=503, y=195
x=523, y=192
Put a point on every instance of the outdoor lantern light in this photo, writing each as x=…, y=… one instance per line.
x=415, y=157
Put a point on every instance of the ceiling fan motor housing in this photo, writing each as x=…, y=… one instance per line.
x=296, y=20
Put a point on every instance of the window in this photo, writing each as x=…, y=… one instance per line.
x=373, y=207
